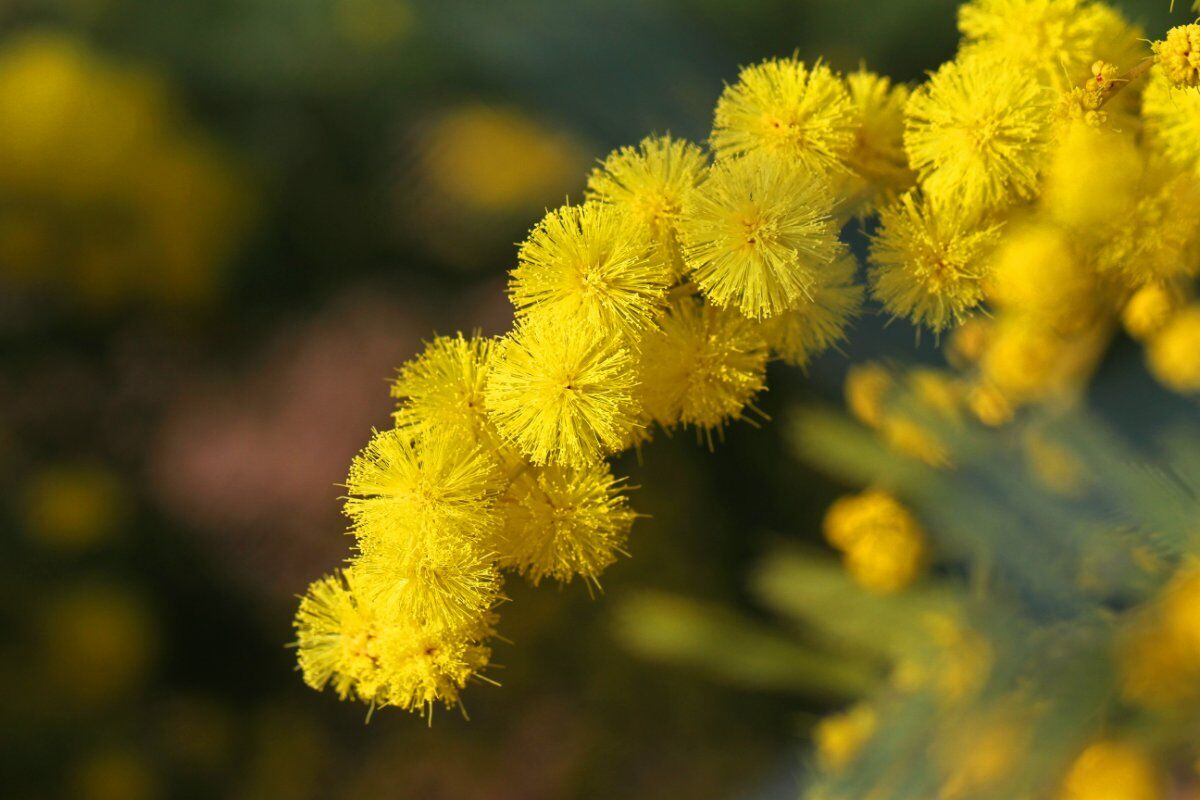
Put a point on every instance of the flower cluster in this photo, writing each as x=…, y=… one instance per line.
x=1030, y=177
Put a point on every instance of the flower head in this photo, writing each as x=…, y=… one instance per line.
x=410, y=493
x=883, y=545
x=1113, y=769
x=784, y=108
x=648, y=183
x=757, y=235
x=929, y=261
x=562, y=392
x=443, y=387
x=1172, y=116
x=703, y=367
x=1057, y=39
x=1174, y=353
x=590, y=265
x=561, y=523
x=977, y=133
x=878, y=164
x=817, y=324
x=1179, y=55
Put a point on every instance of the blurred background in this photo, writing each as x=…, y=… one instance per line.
x=222, y=226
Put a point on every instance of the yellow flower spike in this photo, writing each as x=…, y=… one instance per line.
x=1174, y=353
x=564, y=523
x=929, y=262
x=757, y=235
x=1179, y=55
x=883, y=543
x=977, y=134
x=839, y=738
x=878, y=165
x=1150, y=308
x=590, y=265
x=442, y=388
x=407, y=493
x=798, y=335
x=649, y=183
x=562, y=393
x=1055, y=39
x=1172, y=117
x=1113, y=769
x=867, y=386
x=703, y=368
x=782, y=107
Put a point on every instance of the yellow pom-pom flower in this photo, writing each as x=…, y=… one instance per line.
x=1056, y=39
x=442, y=389
x=649, y=183
x=369, y=652
x=929, y=261
x=1172, y=117
x=590, y=265
x=782, y=107
x=1090, y=177
x=407, y=491
x=758, y=234
x=1179, y=55
x=798, y=335
x=1113, y=769
x=561, y=523
x=883, y=544
x=1156, y=238
x=977, y=133
x=562, y=393
x=337, y=636
x=1174, y=354
x=703, y=367
x=878, y=165
x=840, y=737
x=1149, y=309
x=1036, y=272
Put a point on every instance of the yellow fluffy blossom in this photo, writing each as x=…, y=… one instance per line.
x=977, y=134
x=338, y=639
x=1149, y=309
x=883, y=544
x=1092, y=174
x=782, y=107
x=703, y=367
x=1056, y=39
x=1113, y=769
x=370, y=653
x=649, y=182
x=562, y=393
x=1174, y=354
x=561, y=523
x=1179, y=55
x=1129, y=254
x=1181, y=609
x=878, y=165
x=590, y=265
x=758, y=233
x=1172, y=117
x=409, y=491
x=867, y=387
x=1036, y=272
x=929, y=262
x=818, y=324
x=442, y=388
x=840, y=737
